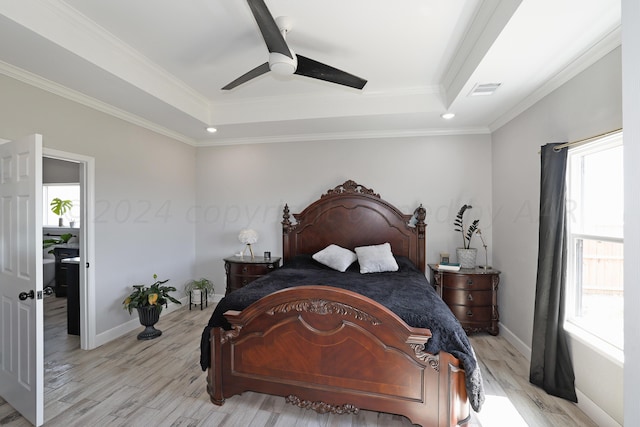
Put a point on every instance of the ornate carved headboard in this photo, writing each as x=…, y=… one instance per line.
x=351, y=215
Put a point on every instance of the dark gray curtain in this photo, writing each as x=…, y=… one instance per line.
x=551, y=366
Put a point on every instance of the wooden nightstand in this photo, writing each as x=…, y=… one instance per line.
x=245, y=269
x=472, y=296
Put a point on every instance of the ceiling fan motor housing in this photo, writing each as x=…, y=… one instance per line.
x=282, y=64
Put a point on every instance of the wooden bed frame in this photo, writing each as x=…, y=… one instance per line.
x=333, y=350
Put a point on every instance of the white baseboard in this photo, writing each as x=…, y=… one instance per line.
x=133, y=324
x=586, y=405
x=524, y=349
x=594, y=412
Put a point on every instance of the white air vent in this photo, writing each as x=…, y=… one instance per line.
x=484, y=89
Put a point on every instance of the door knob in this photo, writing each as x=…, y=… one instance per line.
x=24, y=295
x=48, y=290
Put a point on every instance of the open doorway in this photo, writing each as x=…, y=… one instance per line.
x=61, y=230
x=60, y=168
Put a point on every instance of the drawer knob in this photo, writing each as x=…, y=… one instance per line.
x=469, y=313
x=470, y=282
x=470, y=297
x=245, y=281
x=244, y=269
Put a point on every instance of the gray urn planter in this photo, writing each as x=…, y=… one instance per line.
x=149, y=316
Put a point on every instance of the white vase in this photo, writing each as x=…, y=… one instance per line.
x=467, y=257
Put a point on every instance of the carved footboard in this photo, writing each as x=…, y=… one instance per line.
x=334, y=350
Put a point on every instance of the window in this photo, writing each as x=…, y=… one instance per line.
x=595, y=295
x=64, y=192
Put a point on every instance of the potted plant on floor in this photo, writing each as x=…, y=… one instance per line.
x=148, y=301
x=198, y=291
x=466, y=254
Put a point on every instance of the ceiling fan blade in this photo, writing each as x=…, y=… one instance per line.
x=270, y=32
x=258, y=71
x=317, y=70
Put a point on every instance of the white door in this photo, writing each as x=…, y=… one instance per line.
x=21, y=305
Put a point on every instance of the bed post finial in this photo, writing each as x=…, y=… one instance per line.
x=287, y=227
x=421, y=214
x=286, y=222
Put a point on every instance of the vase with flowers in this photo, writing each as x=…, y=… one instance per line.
x=466, y=254
x=148, y=301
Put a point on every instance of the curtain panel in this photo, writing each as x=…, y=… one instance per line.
x=551, y=366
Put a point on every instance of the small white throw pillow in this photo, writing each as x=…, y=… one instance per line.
x=376, y=258
x=335, y=257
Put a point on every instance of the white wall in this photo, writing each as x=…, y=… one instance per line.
x=247, y=186
x=144, y=185
x=631, y=108
x=587, y=105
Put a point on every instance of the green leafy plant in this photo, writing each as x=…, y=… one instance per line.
x=150, y=295
x=467, y=233
x=64, y=238
x=201, y=284
x=60, y=207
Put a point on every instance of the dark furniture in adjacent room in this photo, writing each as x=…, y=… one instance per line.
x=242, y=270
x=71, y=267
x=472, y=296
x=61, y=252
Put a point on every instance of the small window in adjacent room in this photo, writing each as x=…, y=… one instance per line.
x=64, y=192
x=595, y=296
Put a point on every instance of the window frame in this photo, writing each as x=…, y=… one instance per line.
x=47, y=207
x=572, y=299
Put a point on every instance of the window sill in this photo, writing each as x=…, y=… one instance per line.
x=596, y=344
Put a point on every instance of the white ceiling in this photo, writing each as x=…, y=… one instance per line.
x=161, y=63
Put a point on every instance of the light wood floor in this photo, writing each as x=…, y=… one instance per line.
x=159, y=383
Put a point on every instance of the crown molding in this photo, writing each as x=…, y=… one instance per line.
x=575, y=66
x=80, y=98
x=61, y=24
x=337, y=136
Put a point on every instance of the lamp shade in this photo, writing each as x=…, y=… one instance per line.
x=248, y=236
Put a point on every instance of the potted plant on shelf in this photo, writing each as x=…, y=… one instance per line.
x=60, y=207
x=198, y=291
x=148, y=301
x=466, y=254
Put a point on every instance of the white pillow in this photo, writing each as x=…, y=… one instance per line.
x=335, y=257
x=376, y=258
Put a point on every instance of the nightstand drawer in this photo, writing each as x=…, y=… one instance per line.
x=250, y=269
x=239, y=280
x=241, y=271
x=467, y=281
x=466, y=297
x=471, y=314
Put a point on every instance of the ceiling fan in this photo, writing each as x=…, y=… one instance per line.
x=282, y=59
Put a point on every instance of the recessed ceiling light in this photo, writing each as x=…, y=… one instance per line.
x=448, y=116
x=211, y=129
x=484, y=89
